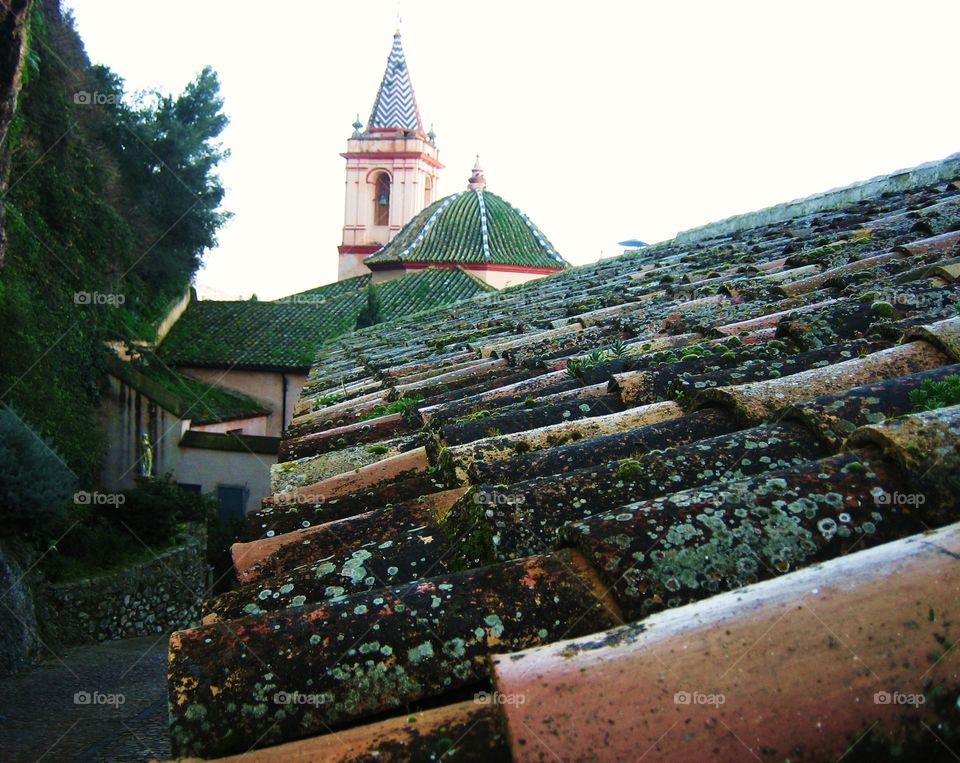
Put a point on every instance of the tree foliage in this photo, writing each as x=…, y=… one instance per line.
x=35, y=484
x=371, y=313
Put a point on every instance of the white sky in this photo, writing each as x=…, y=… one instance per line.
x=602, y=120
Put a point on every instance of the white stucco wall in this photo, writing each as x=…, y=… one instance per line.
x=126, y=413
x=256, y=425
x=264, y=386
x=211, y=468
x=412, y=165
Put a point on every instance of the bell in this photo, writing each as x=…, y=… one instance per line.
x=383, y=201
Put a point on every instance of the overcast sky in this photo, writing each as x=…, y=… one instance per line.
x=602, y=120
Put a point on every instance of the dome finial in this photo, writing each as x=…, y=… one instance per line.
x=356, y=127
x=477, y=181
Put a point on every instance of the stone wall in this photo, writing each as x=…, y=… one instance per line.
x=155, y=596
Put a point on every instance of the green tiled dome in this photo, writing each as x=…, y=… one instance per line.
x=474, y=226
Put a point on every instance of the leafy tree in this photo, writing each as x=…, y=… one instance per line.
x=167, y=151
x=371, y=313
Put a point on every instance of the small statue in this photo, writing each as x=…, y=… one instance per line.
x=146, y=461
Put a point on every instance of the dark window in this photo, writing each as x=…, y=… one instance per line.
x=233, y=502
x=190, y=487
x=381, y=201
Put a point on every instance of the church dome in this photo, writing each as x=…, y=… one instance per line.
x=471, y=227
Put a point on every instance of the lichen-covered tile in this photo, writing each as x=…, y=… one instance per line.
x=230, y=683
x=685, y=546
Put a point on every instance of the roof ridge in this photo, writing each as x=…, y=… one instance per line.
x=484, y=233
x=429, y=224
x=899, y=180
x=537, y=234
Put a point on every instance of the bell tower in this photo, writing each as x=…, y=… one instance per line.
x=392, y=168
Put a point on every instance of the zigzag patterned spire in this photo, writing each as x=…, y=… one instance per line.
x=396, y=105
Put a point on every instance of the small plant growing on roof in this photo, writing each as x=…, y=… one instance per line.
x=324, y=401
x=397, y=406
x=936, y=394
x=618, y=349
x=577, y=366
x=629, y=469
x=882, y=309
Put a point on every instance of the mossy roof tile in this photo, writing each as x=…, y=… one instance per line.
x=726, y=488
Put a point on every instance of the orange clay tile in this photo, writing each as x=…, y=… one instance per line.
x=812, y=283
x=248, y=557
x=943, y=242
x=771, y=319
x=404, y=464
x=757, y=402
x=854, y=653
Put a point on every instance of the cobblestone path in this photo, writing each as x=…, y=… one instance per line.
x=106, y=702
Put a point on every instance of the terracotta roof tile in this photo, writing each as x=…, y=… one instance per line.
x=365, y=653
x=828, y=642
x=688, y=545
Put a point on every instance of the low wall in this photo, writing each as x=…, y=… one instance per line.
x=154, y=596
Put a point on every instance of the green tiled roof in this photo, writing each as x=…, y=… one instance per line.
x=183, y=395
x=452, y=230
x=335, y=289
x=287, y=333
